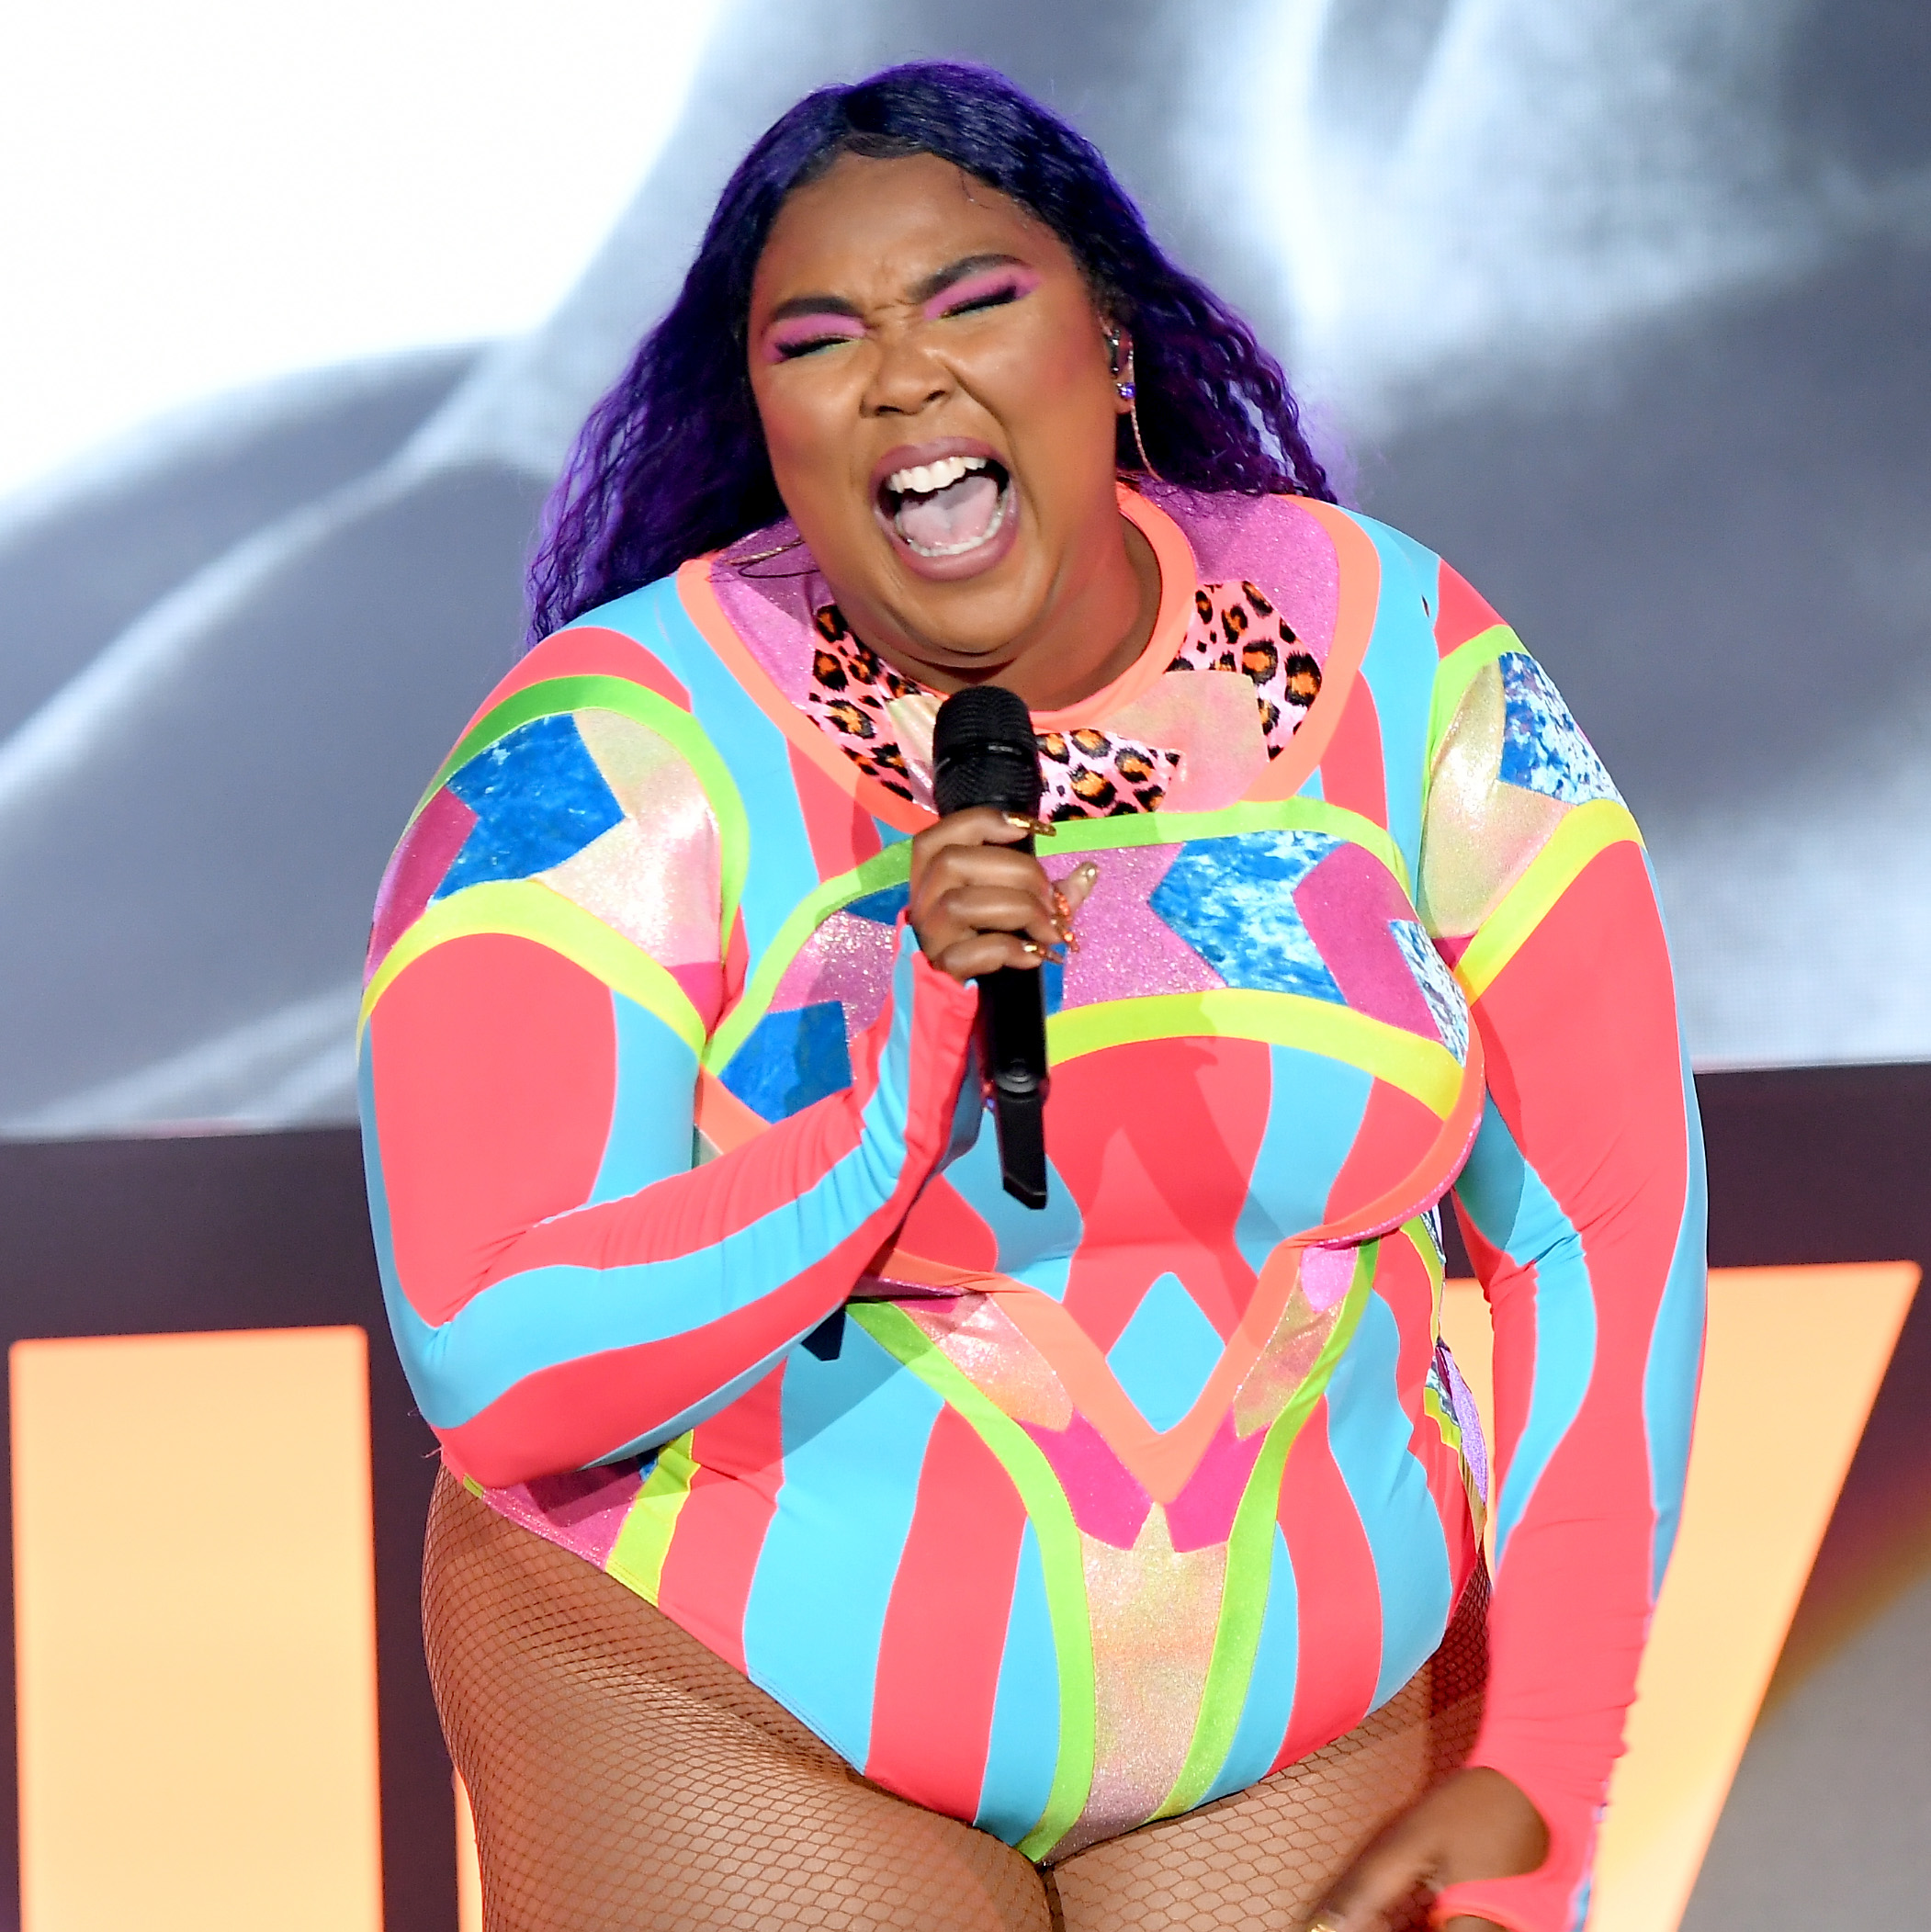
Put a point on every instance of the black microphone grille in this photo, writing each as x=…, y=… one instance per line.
x=984, y=752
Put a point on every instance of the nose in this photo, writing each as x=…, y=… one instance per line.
x=906, y=377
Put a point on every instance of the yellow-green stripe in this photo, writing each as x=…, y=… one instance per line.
x=526, y=908
x=1583, y=833
x=1424, y=1069
x=637, y=1558
x=1457, y=671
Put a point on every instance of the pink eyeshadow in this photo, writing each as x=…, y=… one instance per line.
x=993, y=281
x=799, y=329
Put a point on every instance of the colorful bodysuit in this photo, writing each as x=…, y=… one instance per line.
x=1059, y=1522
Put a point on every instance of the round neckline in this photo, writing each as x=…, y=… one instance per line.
x=1173, y=558
x=1173, y=562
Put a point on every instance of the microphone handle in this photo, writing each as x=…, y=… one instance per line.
x=1012, y=1017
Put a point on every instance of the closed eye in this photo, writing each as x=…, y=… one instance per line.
x=992, y=299
x=809, y=330
x=808, y=345
x=989, y=288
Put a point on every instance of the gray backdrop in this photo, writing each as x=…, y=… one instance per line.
x=1621, y=304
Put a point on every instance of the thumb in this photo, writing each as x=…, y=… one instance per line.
x=1384, y=1876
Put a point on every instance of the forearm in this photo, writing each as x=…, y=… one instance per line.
x=572, y=1336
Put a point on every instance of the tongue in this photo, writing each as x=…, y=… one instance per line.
x=961, y=512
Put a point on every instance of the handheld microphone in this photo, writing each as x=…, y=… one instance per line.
x=983, y=754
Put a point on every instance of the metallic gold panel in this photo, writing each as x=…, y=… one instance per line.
x=195, y=1595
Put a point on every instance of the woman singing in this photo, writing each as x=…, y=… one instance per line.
x=826, y=1539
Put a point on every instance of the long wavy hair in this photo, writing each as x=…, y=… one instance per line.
x=673, y=463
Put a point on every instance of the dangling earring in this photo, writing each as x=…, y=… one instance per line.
x=1126, y=389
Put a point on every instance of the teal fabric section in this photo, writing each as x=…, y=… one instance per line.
x=1270, y=1689
x=855, y=1431
x=1400, y=669
x=1034, y=1244
x=1313, y=1115
x=1676, y=1353
x=1423, y=564
x=1165, y=1353
x=650, y=1130
x=1515, y=1212
x=1023, y=1750
x=1370, y=1432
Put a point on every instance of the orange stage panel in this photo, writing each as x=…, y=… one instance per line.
x=1793, y=1365
x=469, y=1875
x=195, y=1594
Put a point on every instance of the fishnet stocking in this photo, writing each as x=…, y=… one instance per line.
x=622, y=1776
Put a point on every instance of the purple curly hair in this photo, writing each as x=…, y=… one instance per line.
x=671, y=462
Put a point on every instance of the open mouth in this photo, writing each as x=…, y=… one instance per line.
x=949, y=507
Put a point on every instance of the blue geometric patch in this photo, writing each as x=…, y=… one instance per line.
x=881, y=908
x=538, y=799
x=1543, y=746
x=1232, y=900
x=791, y=1060
x=1437, y=986
x=1165, y=1353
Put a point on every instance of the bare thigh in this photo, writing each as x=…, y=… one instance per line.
x=622, y=1776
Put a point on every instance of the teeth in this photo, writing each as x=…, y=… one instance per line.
x=922, y=479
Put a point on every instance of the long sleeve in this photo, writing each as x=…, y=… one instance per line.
x=565, y=1287
x=1583, y=1207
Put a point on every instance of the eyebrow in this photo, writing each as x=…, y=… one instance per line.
x=923, y=291
x=957, y=272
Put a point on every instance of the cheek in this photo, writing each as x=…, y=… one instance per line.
x=1053, y=373
x=804, y=433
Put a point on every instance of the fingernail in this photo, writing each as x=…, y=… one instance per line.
x=1039, y=828
x=1087, y=870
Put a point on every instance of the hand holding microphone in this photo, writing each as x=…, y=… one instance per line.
x=982, y=909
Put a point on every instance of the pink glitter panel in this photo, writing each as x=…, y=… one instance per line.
x=1202, y=1513
x=1327, y=1275
x=581, y=1511
x=770, y=603
x=1109, y=1504
x=1125, y=950
x=428, y=850
x=848, y=959
x=1347, y=902
x=1266, y=541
